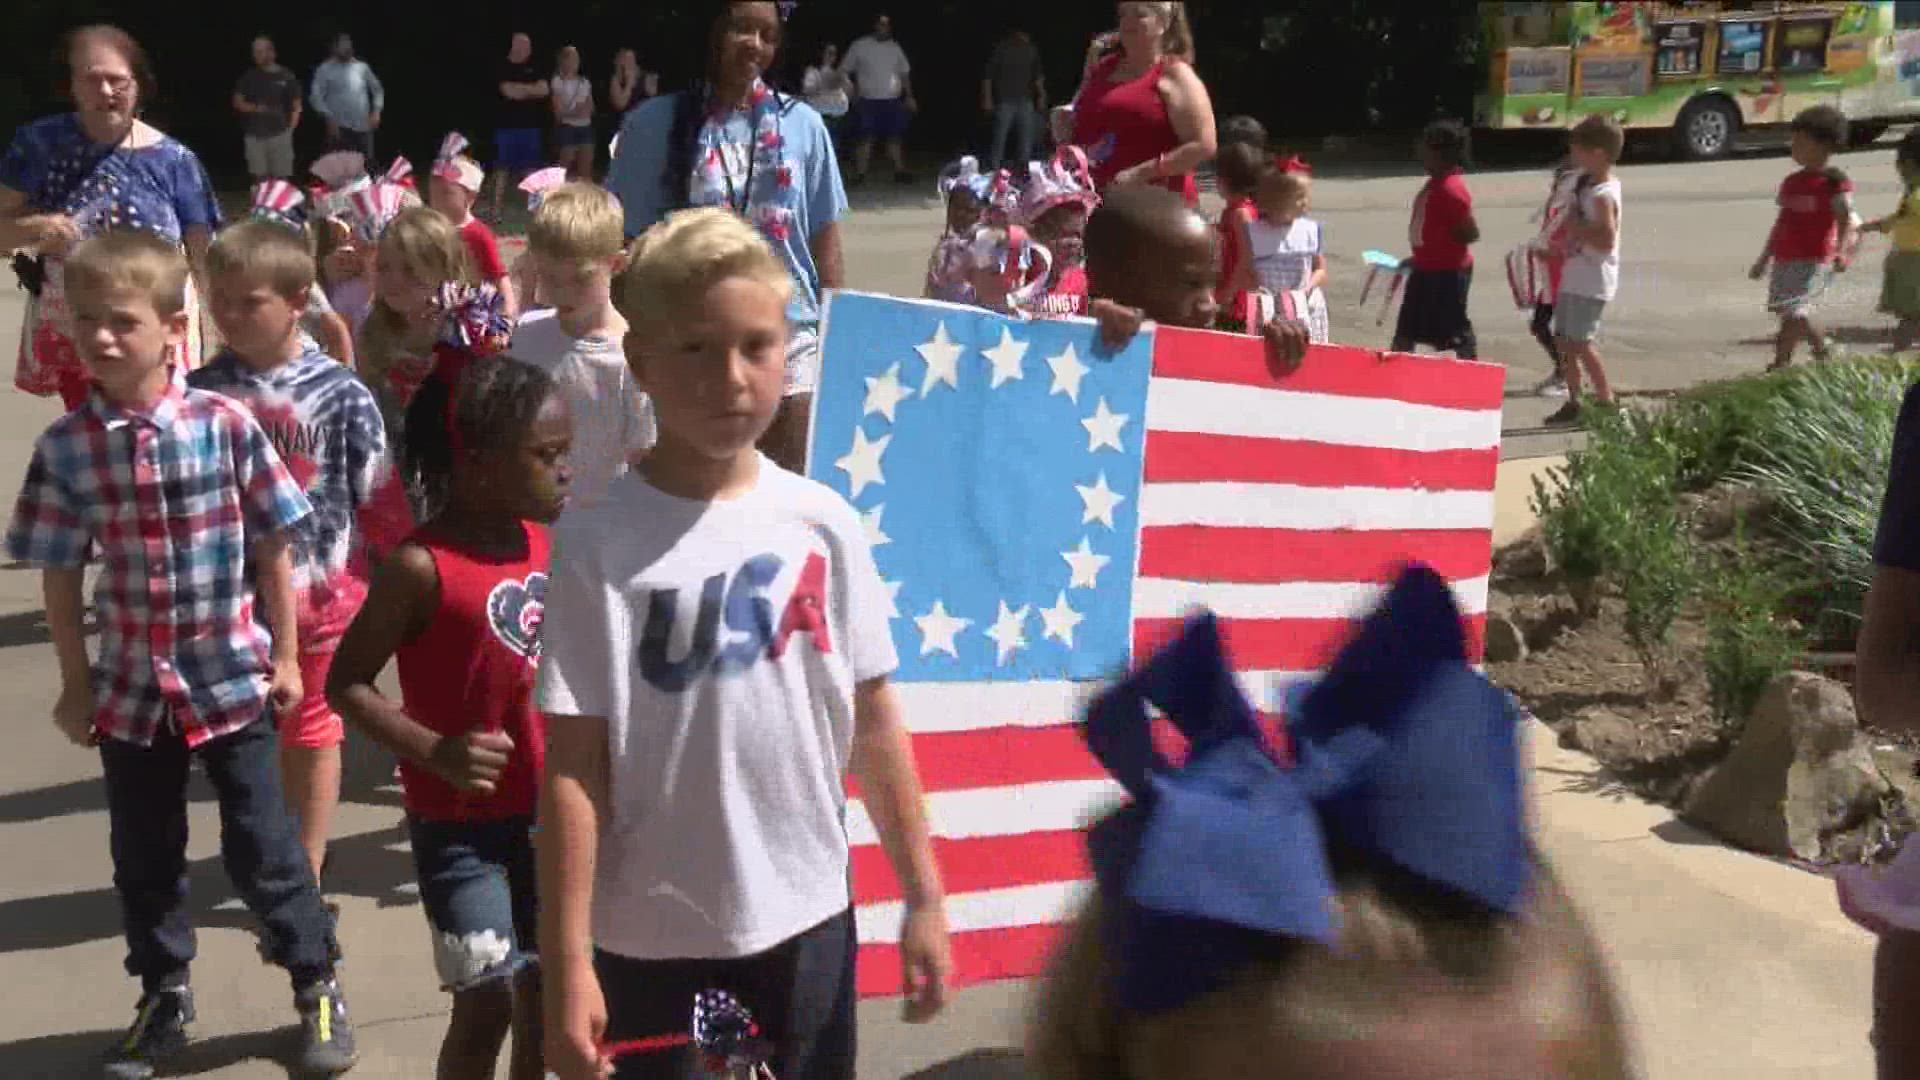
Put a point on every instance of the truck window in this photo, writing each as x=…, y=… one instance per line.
x=1743, y=47
x=1802, y=45
x=1680, y=45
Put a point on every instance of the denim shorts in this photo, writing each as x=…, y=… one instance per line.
x=568, y=136
x=1576, y=318
x=476, y=883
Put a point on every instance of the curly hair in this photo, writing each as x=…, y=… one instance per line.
x=489, y=407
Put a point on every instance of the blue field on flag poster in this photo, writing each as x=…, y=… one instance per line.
x=997, y=465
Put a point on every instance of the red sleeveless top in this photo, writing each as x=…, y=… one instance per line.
x=1121, y=124
x=472, y=669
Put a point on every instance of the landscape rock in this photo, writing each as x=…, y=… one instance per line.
x=1525, y=559
x=1800, y=780
x=1723, y=507
x=1506, y=642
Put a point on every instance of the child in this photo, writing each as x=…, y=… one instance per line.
x=184, y=671
x=1149, y=256
x=459, y=606
x=326, y=427
x=281, y=203
x=577, y=241
x=1054, y=206
x=419, y=252
x=1900, y=292
x=1813, y=231
x=704, y=763
x=1547, y=252
x=1244, y=131
x=456, y=183
x=950, y=268
x=1590, y=272
x=1287, y=249
x=1239, y=167
x=1377, y=912
x=1433, y=311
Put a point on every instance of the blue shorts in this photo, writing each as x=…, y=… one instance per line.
x=568, y=136
x=881, y=118
x=518, y=149
x=476, y=883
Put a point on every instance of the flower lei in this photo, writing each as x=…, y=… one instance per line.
x=769, y=173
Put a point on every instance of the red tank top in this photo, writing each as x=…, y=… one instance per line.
x=472, y=669
x=1121, y=124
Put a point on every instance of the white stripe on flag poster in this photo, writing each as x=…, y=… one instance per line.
x=1163, y=598
x=933, y=708
x=987, y=909
x=1288, y=506
x=1335, y=420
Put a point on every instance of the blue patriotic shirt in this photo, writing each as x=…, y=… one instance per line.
x=173, y=496
x=326, y=426
x=160, y=188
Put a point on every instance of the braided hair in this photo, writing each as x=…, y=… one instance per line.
x=690, y=115
x=488, y=406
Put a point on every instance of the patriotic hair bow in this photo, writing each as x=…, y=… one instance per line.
x=399, y=174
x=451, y=147
x=1064, y=180
x=279, y=202
x=1022, y=263
x=473, y=317
x=1293, y=163
x=965, y=174
x=1404, y=757
x=539, y=184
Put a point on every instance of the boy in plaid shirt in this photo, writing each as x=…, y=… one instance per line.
x=189, y=507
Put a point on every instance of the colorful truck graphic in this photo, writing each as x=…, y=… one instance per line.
x=1704, y=71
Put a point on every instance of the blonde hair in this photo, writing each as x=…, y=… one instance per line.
x=579, y=221
x=1177, y=39
x=1382, y=971
x=131, y=259
x=265, y=252
x=684, y=255
x=431, y=248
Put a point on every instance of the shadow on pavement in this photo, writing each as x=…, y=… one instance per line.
x=996, y=1064
x=79, y=1053
x=1679, y=832
x=25, y=628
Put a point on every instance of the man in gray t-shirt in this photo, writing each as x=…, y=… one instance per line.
x=1014, y=92
x=269, y=103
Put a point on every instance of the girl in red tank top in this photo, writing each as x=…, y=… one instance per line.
x=458, y=604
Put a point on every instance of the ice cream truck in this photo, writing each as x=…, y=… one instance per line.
x=1703, y=71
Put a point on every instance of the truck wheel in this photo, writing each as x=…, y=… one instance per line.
x=1706, y=130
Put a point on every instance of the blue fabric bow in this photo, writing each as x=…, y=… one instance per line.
x=1405, y=757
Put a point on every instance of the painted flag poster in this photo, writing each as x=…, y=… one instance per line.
x=1043, y=509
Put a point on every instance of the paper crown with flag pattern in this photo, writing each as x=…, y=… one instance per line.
x=539, y=184
x=454, y=166
x=281, y=203
x=372, y=207
x=1065, y=180
x=1405, y=758
x=994, y=191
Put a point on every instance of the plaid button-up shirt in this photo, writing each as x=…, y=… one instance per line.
x=173, y=498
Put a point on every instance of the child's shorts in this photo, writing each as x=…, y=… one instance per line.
x=1577, y=318
x=1433, y=309
x=476, y=884
x=568, y=136
x=1790, y=288
x=313, y=725
x=801, y=992
x=1900, y=290
x=803, y=361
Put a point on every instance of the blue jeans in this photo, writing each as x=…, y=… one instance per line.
x=147, y=820
x=1021, y=121
x=476, y=884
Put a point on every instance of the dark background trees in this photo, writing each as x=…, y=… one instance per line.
x=1306, y=69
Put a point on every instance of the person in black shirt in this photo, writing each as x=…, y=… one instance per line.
x=268, y=100
x=517, y=136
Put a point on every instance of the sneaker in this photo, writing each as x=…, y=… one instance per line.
x=1567, y=415
x=159, y=1031
x=1553, y=386
x=326, y=1035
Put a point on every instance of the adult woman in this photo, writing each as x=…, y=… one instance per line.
x=69, y=176
x=825, y=88
x=572, y=101
x=732, y=141
x=1142, y=114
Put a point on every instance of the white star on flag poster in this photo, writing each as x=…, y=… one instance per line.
x=1042, y=508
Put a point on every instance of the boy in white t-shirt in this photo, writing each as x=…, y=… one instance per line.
x=576, y=242
x=1591, y=274
x=716, y=658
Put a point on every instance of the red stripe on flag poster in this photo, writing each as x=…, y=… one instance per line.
x=1277, y=556
x=1284, y=644
x=979, y=863
x=1015, y=952
x=1330, y=369
x=995, y=757
x=1193, y=457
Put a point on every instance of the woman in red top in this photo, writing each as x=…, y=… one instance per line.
x=1142, y=114
x=459, y=604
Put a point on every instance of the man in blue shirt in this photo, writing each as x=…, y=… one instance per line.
x=349, y=96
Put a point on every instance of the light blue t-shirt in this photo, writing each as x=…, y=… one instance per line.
x=817, y=197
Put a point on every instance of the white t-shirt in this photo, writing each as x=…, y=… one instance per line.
x=878, y=68
x=612, y=419
x=824, y=91
x=568, y=95
x=728, y=740
x=1590, y=272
